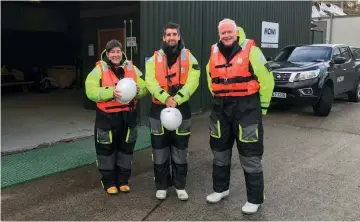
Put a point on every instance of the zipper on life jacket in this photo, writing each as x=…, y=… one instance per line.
x=168, y=78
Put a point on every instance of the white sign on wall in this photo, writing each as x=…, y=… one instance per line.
x=269, y=35
x=131, y=41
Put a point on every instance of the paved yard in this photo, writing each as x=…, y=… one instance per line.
x=311, y=169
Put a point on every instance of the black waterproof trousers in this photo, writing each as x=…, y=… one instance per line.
x=238, y=119
x=115, y=137
x=170, y=148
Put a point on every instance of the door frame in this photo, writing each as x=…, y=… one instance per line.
x=99, y=31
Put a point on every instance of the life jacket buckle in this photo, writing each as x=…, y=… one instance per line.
x=225, y=81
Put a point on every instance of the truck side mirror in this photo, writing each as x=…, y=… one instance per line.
x=339, y=60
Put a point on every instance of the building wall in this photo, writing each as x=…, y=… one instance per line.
x=345, y=30
x=199, y=20
x=321, y=27
x=340, y=25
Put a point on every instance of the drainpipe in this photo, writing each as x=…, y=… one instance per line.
x=125, y=36
x=131, y=48
x=331, y=27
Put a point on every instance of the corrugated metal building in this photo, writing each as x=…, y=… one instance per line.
x=199, y=20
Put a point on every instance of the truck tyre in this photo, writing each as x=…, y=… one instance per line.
x=323, y=106
x=354, y=95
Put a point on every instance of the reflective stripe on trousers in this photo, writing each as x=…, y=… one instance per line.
x=169, y=148
x=244, y=125
x=113, y=156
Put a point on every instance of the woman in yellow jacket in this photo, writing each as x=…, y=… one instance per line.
x=115, y=130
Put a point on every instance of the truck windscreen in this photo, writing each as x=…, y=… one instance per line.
x=310, y=54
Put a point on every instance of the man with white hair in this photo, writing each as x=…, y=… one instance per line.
x=241, y=83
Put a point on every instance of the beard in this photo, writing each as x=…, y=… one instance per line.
x=170, y=49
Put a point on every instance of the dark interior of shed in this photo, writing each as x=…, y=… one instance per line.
x=53, y=36
x=42, y=39
x=38, y=37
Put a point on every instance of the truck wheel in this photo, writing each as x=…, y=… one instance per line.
x=323, y=106
x=354, y=95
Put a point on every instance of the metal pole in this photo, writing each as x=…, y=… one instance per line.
x=125, y=36
x=331, y=27
x=131, y=38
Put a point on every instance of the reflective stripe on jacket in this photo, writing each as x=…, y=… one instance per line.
x=175, y=76
x=109, y=79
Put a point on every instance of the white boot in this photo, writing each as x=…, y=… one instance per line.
x=161, y=194
x=250, y=208
x=216, y=197
x=182, y=195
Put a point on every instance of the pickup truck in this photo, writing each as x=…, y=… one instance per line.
x=315, y=75
x=356, y=53
x=281, y=56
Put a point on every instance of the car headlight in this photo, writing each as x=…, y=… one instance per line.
x=307, y=75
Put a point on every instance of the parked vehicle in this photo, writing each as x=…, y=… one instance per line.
x=282, y=56
x=356, y=53
x=315, y=75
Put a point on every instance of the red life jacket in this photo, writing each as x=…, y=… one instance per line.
x=176, y=75
x=233, y=78
x=108, y=78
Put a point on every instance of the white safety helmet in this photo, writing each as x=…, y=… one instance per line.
x=171, y=118
x=127, y=87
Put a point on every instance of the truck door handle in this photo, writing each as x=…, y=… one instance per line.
x=344, y=69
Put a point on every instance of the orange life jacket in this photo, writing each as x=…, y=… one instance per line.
x=175, y=76
x=233, y=78
x=108, y=78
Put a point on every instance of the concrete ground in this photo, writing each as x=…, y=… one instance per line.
x=311, y=167
x=29, y=120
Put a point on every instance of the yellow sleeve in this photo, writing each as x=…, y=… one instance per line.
x=264, y=75
x=142, y=87
x=192, y=82
x=152, y=84
x=92, y=87
x=208, y=77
